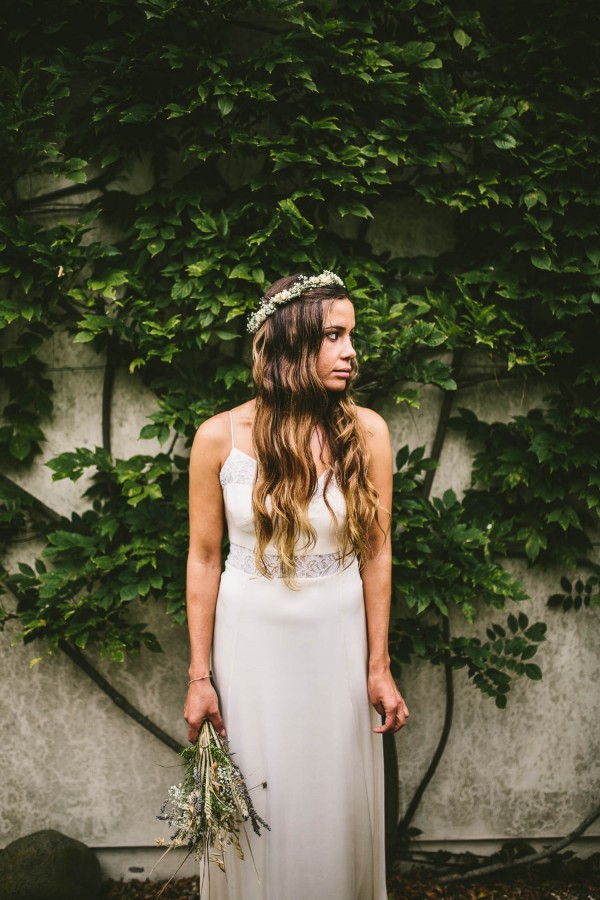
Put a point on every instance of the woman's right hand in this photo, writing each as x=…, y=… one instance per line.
x=202, y=703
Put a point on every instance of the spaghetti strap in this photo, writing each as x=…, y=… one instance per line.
x=232, y=440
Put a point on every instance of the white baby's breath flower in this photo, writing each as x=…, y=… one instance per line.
x=302, y=284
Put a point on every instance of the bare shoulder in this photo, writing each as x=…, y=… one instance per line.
x=379, y=450
x=374, y=425
x=212, y=434
x=213, y=438
x=212, y=442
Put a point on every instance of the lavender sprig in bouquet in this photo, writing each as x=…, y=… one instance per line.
x=210, y=803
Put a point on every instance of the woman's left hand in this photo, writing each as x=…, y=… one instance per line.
x=387, y=700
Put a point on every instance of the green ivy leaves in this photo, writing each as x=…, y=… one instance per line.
x=154, y=186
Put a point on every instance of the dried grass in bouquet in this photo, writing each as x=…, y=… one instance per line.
x=211, y=802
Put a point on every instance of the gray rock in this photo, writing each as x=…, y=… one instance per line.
x=48, y=865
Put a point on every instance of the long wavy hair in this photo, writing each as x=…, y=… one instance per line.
x=291, y=401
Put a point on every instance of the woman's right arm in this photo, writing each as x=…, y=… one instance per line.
x=204, y=572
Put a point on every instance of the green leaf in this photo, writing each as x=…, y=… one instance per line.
x=449, y=498
x=536, y=632
x=181, y=290
x=534, y=544
x=155, y=247
x=225, y=104
x=541, y=260
x=242, y=270
x=461, y=37
x=355, y=209
x=75, y=164
x=19, y=446
x=534, y=196
x=77, y=177
x=225, y=335
x=290, y=209
x=533, y=671
x=128, y=592
x=505, y=142
x=593, y=254
x=200, y=268
x=137, y=363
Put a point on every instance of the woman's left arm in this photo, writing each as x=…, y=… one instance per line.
x=377, y=578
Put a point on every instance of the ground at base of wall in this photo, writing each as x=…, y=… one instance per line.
x=413, y=887
x=405, y=888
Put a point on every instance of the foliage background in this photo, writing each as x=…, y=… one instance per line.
x=275, y=137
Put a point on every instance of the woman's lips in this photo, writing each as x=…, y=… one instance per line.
x=342, y=373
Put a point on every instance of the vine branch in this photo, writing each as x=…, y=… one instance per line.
x=34, y=501
x=110, y=368
x=442, y=427
x=117, y=697
x=525, y=860
x=436, y=452
x=71, y=190
x=412, y=807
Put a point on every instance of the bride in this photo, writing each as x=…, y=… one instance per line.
x=296, y=624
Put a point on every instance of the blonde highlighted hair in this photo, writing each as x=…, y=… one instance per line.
x=291, y=402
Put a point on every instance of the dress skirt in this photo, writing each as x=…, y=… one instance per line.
x=290, y=670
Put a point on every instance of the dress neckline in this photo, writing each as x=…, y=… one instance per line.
x=247, y=455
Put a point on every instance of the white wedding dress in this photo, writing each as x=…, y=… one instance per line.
x=290, y=671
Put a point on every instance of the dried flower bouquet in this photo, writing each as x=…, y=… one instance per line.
x=211, y=802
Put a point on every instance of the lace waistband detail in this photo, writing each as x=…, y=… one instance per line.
x=317, y=565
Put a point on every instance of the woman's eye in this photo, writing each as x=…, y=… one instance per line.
x=334, y=336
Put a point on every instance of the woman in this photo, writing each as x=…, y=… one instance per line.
x=297, y=623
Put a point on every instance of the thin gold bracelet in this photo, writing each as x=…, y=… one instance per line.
x=202, y=678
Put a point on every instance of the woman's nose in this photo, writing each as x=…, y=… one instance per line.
x=349, y=352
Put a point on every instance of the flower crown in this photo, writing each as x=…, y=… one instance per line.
x=304, y=283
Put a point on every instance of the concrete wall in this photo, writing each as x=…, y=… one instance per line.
x=74, y=762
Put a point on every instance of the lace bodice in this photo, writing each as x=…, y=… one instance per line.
x=237, y=478
x=311, y=565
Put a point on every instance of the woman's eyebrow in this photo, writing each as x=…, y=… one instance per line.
x=340, y=327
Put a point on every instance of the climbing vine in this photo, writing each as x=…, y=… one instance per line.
x=164, y=161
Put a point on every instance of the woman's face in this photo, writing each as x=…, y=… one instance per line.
x=334, y=362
